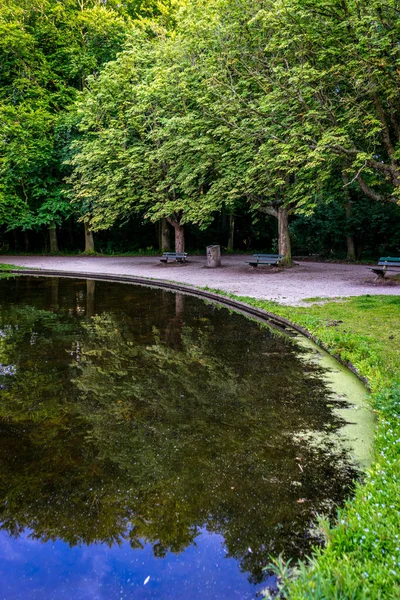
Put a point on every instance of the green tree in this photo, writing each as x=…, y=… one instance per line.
x=334, y=70
x=287, y=105
x=145, y=144
x=48, y=50
x=308, y=94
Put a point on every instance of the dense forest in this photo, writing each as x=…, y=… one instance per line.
x=256, y=124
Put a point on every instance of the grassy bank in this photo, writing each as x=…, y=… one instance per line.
x=362, y=555
x=5, y=270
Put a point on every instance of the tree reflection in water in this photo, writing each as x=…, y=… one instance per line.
x=136, y=414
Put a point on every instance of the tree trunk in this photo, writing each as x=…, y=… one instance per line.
x=26, y=240
x=351, y=248
x=179, y=235
x=179, y=239
x=71, y=233
x=231, y=232
x=89, y=240
x=165, y=236
x=53, y=240
x=284, y=246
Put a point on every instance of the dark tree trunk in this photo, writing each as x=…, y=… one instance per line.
x=351, y=247
x=89, y=240
x=26, y=240
x=71, y=233
x=53, y=240
x=165, y=236
x=231, y=232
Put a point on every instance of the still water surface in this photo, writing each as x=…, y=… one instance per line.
x=154, y=446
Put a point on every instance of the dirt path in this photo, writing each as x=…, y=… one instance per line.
x=287, y=286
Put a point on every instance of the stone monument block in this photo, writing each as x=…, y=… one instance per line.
x=213, y=256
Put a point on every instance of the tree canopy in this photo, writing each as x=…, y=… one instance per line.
x=187, y=110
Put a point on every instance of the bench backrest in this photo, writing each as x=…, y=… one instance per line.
x=179, y=254
x=277, y=256
x=389, y=261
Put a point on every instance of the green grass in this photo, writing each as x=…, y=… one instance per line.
x=5, y=270
x=361, y=559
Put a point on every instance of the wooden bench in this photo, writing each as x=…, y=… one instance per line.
x=174, y=257
x=386, y=263
x=265, y=259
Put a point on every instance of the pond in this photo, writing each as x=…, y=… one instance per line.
x=157, y=446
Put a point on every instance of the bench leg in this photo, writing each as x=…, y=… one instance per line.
x=380, y=273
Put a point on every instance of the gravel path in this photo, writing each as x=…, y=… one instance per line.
x=286, y=286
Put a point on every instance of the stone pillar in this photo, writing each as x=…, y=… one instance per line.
x=213, y=256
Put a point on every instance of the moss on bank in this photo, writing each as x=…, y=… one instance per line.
x=361, y=559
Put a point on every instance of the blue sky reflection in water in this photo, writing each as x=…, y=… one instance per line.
x=148, y=434
x=31, y=569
